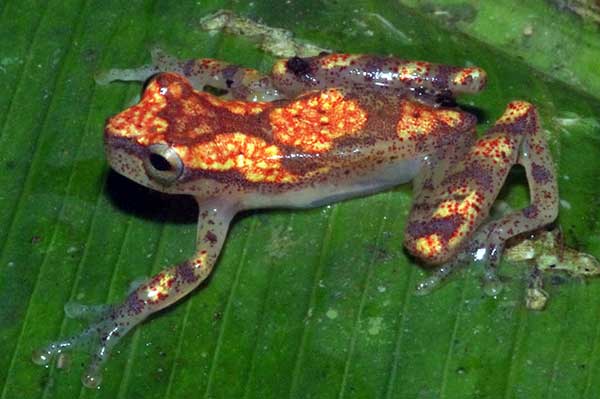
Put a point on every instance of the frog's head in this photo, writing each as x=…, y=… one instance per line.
x=179, y=140
x=137, y=140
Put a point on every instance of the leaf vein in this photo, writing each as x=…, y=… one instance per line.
x=363, y=299
x=312, y=300
x=227, y=311
x=408, y=293
x=446, y=370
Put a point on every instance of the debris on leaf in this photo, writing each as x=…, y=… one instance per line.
x=279, y=42
x=548, y=254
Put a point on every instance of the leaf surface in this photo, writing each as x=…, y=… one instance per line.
x=317, y=303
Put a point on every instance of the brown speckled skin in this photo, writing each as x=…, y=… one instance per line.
x=314, y=131
x=306, y=162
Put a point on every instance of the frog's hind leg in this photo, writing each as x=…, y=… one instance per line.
x=156, y=293
x=534, y=155
x=228, y=80
x=446, y=224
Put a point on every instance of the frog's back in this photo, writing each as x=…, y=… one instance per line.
x=327, y=143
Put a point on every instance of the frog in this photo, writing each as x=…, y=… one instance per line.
x=314, y=131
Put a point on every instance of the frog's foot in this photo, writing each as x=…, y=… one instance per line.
x=475, y=253
x=489, y=255
x=433, y=281
x=438, y=277
x=112, y=323
x=107, y=325
x=486, y=249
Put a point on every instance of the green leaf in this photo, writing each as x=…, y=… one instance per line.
x=316, y=303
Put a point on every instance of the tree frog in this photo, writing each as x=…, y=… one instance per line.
x=314, y=131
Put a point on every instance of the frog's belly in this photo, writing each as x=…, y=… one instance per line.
x=338, y=187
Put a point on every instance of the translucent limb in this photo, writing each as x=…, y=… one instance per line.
x=157, y=292
x=448, y=220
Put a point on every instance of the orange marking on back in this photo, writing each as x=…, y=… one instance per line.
x=313, y=123
x=417, y=121
x=238, y=107
x=249, y=155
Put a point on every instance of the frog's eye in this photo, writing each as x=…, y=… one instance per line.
x=163, y=164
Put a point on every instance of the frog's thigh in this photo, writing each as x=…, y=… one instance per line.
x=444, y=217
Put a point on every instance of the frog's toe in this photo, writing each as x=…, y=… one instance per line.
x=41, y=356
x=437, y=278
x=492, y=285
x=427, y=285
x=98, y=338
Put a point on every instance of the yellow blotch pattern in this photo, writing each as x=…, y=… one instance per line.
x=251, y=156
x=338, y=60
x=466, y=75
x=498, y=149
x=313, y=123
x=429, y=246
x=413, y=71
x=237, y=107
x=158, y=288
x=468, y=208
x=514, y=111
x=141, y=119
x=417, y=121
x=280, y=67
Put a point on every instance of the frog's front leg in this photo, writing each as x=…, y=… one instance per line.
x=235, y=81
x=154, y=294
x=444, y=226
